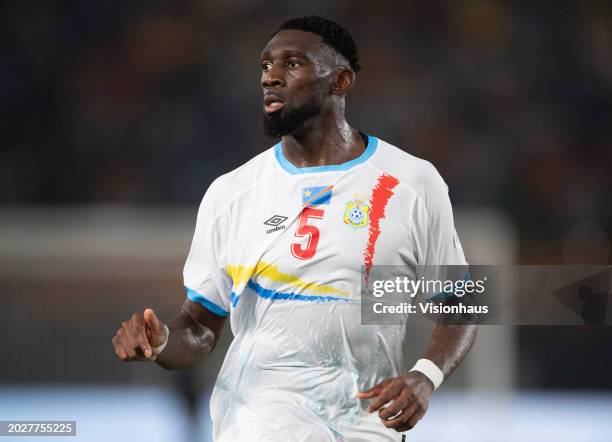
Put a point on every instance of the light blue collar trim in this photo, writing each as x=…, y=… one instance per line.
x=294, y=170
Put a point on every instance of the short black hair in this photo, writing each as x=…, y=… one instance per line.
x=333, y=34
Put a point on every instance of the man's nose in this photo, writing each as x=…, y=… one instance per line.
x=272, y=77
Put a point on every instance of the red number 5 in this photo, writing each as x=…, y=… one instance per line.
x=303, y=230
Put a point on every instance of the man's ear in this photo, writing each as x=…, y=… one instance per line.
x=345, y=78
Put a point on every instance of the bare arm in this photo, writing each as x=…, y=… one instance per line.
x=193, y=334
x=448, y=346
x=194, y=331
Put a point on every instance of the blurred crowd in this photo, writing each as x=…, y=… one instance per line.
x=147, y=102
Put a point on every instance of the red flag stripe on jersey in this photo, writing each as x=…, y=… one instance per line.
x=381, y=193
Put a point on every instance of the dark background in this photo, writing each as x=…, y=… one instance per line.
x=108, y=101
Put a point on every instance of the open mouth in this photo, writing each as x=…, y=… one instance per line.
x=273, y=103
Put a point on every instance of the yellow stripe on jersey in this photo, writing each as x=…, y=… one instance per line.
x=241, y=274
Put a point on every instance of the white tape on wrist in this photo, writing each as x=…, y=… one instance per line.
x=158, y=350
x=431, y=370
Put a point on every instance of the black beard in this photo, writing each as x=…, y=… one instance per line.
x=281, y=123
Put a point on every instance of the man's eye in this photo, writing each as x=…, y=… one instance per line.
x=265, y=66
x=293, y=64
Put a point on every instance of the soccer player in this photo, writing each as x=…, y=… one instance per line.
x=278, y=248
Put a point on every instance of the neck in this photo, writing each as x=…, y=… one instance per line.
x=325, y=140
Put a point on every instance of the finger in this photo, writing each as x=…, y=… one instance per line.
x=139, y=333
x=128, y=340
x=398, y=404
x=372, y=392
x=126, y=335
x=156, y=331
x=402, y=419
x=153, y=321
x=414, y=419
x=144, y=345
x=388, y=393
x=120, y=351
x=130, y=350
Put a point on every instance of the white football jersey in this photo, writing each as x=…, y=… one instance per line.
x=280, y=250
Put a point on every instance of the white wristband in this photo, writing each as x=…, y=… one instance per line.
x=158, y=350
x=431, y=370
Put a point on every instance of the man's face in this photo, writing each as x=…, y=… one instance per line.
x=295, y=78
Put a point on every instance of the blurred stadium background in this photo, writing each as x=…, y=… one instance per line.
x=117, y=115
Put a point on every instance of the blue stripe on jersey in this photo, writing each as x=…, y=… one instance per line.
x=294, y=170
x=234, y=299
x=200, y=299
x=313, y=196
x=273, y=294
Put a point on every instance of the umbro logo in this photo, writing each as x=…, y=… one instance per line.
x=275, y=221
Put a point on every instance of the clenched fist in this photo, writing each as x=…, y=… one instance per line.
x=139, y=336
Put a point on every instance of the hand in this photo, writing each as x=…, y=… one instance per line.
x=410, y=395
x=138, y=336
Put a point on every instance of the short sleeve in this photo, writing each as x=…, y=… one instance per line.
x=203, y=276
x=442, y=242
x=442, y=257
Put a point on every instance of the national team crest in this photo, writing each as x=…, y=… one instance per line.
x=356, y=214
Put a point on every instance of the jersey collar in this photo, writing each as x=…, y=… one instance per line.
x=294, y=170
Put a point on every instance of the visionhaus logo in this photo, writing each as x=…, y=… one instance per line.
x=275, y=221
